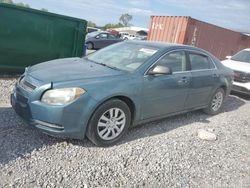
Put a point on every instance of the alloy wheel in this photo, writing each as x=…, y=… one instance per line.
x=111, y=123
x=217, y=101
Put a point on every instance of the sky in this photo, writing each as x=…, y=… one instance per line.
x=231, y=14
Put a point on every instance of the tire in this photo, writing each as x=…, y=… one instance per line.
x=90, y=46
x=105, y=128
x=215, y=107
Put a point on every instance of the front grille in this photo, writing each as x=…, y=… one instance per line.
x=21, y=98
x=19, y=103
x=26, y=85
x=241, y=77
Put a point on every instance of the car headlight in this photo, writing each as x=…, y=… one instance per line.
x=62, y=96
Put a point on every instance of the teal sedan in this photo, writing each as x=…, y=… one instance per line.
x=129, y=83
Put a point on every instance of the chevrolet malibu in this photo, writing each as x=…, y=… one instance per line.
x=101, y=95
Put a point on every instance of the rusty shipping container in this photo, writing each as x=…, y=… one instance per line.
x=186, y=30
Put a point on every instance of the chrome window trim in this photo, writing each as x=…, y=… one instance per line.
x=180, y=72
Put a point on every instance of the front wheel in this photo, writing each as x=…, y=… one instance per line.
x=109, y=123
x=216, y=102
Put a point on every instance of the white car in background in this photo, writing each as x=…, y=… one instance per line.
x=240, y=64
x=127, y=36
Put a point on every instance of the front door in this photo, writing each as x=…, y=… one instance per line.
x=101, y=41
x=164, y=94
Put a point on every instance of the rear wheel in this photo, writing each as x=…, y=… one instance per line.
x=90, y=45
x=216, y=102
x=109, y=123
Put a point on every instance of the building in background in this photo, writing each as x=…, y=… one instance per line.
x=186, y=30
x=137, y=31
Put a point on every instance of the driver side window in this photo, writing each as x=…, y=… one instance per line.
x=174, y=60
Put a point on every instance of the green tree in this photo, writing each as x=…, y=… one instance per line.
x=109, y=25
x=44, y=9
x=13, y=3
x=19, y=4
x=91, y=24
x=125, y=19
x=7, y=1
x=22, y=5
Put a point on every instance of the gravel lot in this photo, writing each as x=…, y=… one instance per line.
x=165, y=153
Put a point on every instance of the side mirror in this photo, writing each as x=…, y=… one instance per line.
x=228, y=57
x=97, y=37
x=159, y=69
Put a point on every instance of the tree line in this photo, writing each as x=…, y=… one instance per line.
x=124, y=21
x=19, y=4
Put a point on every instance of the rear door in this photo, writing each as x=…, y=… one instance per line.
x=112, y=39
x=164, y=94
x=204, y=78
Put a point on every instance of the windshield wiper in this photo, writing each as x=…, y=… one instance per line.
x=103, y=64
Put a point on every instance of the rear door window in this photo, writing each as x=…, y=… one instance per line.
x=110, y=36
x=200, y=62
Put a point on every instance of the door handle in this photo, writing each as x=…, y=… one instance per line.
x=215, y=75
x=183, y=80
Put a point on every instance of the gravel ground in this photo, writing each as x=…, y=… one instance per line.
x=165, y=153
x=6, y=86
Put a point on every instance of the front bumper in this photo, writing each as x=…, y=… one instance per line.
x=69, y=121
x=241, y=87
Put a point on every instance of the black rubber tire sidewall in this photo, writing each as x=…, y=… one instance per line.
x=92, y=125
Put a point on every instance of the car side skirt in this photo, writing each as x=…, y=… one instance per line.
x=167, y=115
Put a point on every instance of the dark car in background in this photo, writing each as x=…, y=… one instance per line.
x=101, y=95
x=100, y=39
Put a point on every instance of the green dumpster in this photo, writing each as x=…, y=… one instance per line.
x=29, y=36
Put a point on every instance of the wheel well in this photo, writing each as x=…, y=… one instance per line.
x=224, y=88
x=90, y=43
x=130, y=104
x=127, y=100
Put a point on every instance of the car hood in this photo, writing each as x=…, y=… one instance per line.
x=237, y=65
x=70, y=69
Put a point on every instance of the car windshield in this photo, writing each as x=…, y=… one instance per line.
x=243, y=56
x=123, y=56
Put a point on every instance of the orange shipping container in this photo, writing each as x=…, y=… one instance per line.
x=186, y=30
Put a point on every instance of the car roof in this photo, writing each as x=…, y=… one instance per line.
x=98, y=32
x=104, y=32
x=164, y=45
